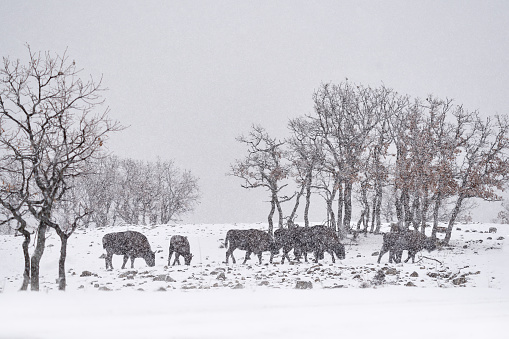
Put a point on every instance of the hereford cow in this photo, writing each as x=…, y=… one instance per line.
x=180, y=245
x=251, y=241
x=130, y=244
x=411, y=241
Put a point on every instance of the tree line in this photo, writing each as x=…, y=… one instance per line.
x=54, y=170
x=127, y=191
x=419, y=159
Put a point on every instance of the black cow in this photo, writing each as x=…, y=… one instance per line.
x=317, y=239
x=130, y=244
x=180, y=245
x=388, y=245
x=411, y=241
x=251, y=241
x=288, y=239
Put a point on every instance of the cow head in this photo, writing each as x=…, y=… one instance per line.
x=187, y=259
x=340, y=251
x=150, y=258
x=430, y=244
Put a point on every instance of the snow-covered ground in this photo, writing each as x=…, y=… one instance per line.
x=460, y=291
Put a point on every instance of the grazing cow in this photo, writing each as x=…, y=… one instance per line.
x=180, y=245
x=411, y=241
x=288, y=239
x=130, y=244
x=317, y=239
x=251, y=241
x=388, y=245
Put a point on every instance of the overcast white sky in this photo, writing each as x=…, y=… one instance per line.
x=190, y=76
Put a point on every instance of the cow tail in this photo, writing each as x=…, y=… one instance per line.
x=226, y=240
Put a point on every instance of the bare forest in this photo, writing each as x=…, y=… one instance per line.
x=414, y=161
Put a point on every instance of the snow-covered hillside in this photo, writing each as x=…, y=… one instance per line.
x=458, y=290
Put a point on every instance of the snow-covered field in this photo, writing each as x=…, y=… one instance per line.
x=461, y=291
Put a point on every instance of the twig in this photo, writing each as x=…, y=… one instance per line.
x=441, y=263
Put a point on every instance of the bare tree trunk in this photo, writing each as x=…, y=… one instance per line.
x=341, y=228
x=415, y=212
x=61, y=261
x=454, y=214
x=271, y=214
x=399, y=208
x=330, y=201
x=26, y=254
x=424, y=211
x=308, y=201
x=348, y=206
x=361, y=221
x=296, y=206
x=373, y=216
x=330, y=213
x=366, y=212
x=438, y=202
x=280, y=213
x=36, y=257
x=377, y=209
x=405, y=199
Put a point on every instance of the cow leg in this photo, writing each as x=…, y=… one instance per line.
x=398, y=256
x=395, y=256
x=109, y=260
x=125, y=261
x=285, y=255
x=169, y=257
x=229, y=253
x=382, y=252
x=332, y=255
x=317, y=256
x=176, y=259
x=296, y=254
x=248, y=255
x=410, y=254
x=260, y=258
x=132, y=262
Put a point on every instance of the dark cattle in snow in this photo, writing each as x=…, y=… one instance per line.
x=388, y=245
x=288, y=239
x=180, y=246
x=411, y=241
x=251, y=241
x=130, y=244
x=317, y=239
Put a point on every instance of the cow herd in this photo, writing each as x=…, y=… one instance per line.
x=302, y=240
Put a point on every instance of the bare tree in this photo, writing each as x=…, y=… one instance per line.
x=51, y=126
x=378, y=170
x=13, y=195
x=264, y=166
x=305, y=156
x=484, y=164
x=179, y=191
x=138, y=192
x=347, y=115
x=503, y=215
